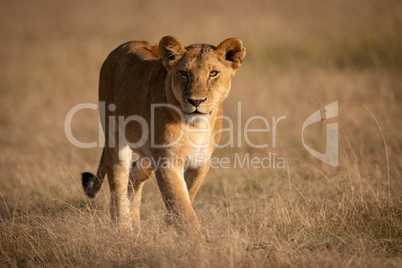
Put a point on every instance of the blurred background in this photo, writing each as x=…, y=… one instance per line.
x=301, y=56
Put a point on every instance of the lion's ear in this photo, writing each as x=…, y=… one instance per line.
x=171, y=51
x=232, y=50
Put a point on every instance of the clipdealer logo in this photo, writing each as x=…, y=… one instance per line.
x=330, y=156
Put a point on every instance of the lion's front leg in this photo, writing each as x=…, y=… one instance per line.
x=194, y=178
x=175, y=195
x=138, y=176
x=118, y=166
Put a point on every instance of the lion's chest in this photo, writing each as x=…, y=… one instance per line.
x=198, y=149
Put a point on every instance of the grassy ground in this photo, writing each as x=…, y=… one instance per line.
x=301, y=56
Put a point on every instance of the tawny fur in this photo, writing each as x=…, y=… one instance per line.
x=139, y=74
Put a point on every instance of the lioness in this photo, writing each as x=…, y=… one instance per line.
x=164, y=103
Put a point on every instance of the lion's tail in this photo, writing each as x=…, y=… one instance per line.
x=92, y=183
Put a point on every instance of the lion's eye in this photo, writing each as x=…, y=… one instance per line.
x=183, y=74
x=213, y=74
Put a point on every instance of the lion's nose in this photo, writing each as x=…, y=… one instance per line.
x=196, y=102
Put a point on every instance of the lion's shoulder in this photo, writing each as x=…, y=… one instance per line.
x=142, y=49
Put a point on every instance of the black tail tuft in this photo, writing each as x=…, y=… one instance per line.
x=88, y=181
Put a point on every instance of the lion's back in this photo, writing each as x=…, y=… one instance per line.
x=125, y=74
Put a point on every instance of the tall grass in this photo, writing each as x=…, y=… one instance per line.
x=300, y=57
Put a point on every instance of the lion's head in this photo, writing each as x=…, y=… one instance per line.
x=200, y=74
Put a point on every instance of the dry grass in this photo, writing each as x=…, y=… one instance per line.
x=301, y=56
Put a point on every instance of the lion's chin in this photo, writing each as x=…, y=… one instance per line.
x=197, y=119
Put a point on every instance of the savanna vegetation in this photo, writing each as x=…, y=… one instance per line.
x=301, y=56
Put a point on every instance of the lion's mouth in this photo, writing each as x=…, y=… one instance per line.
x=198, y=112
